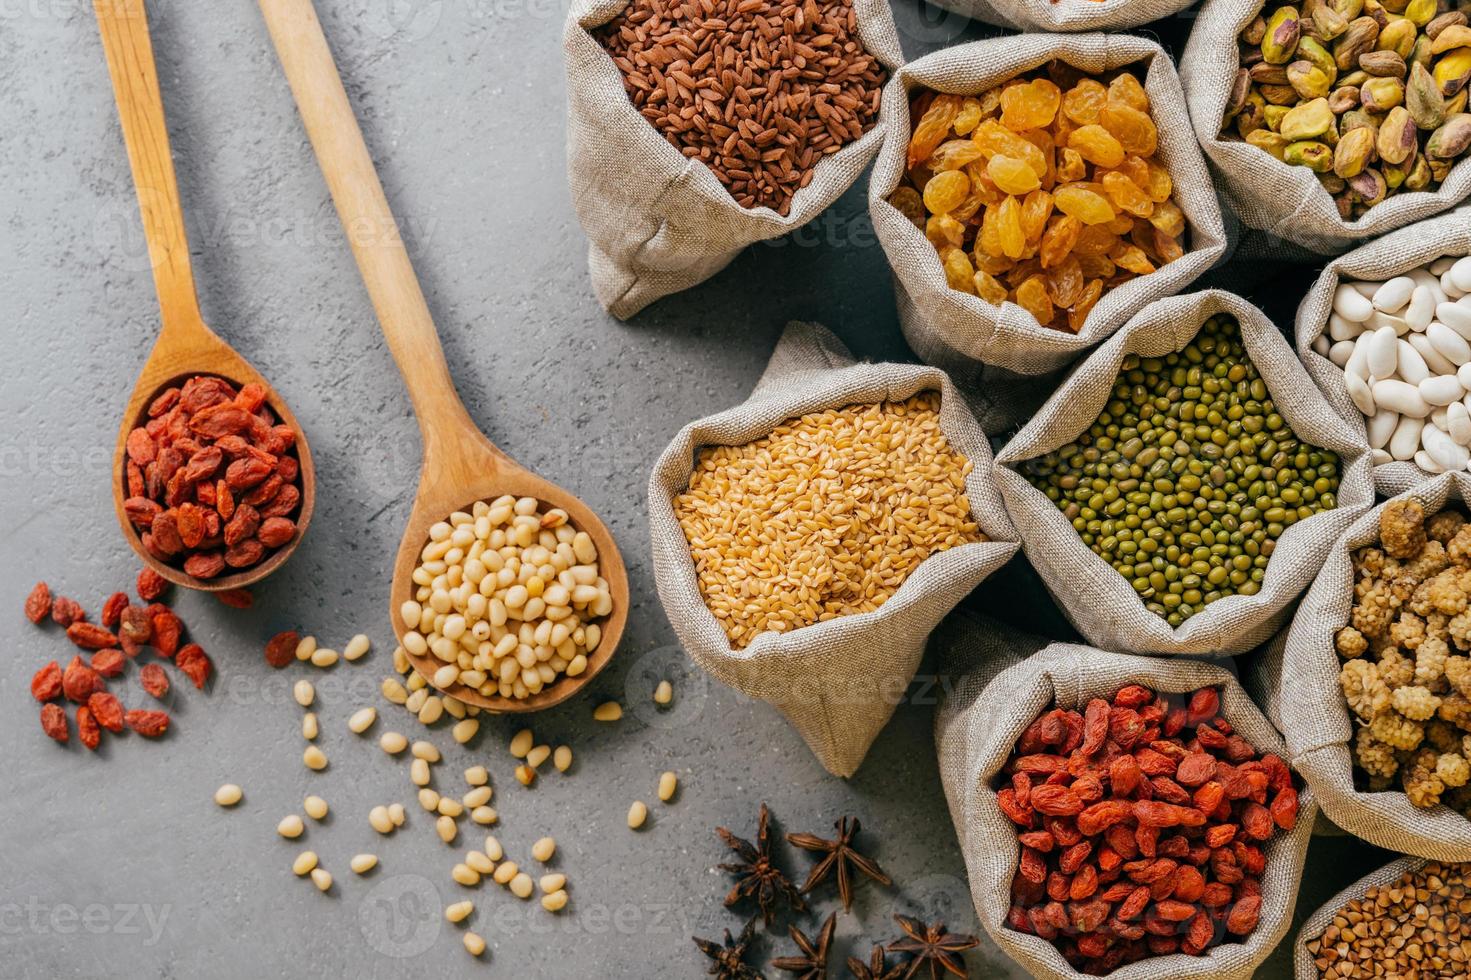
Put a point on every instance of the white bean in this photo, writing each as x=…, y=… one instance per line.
x=1458, y=423
x=1361, y=393
x=1383, y=352
x=1340, y=329
x=1400, y=397
x=1440, y=390
x=1460, y=274
x=1412, y=367
x=1427, y=462
x=1380, y=427
x=1433, y=359
x=1421, y=309
x=1406, y=438
x=1448, y=344
x=1457, y=316
x=1443, y=449
x=1348, y=303
x=1378, y=457
x=1394, y=294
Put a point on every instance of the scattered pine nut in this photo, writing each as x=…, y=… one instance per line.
x=356, y=647
x=458, y=911
x=608, y=711
x=419, y=772
x=401, y=660
x=664, y=693
x=322, y=657
x=505, y=872
x=426, y=751
x=314, y=758
x=309, y=726
x=363, y=863
x=429, y=799
x=393, y=742
x=304, y=693
x=479, y=862
x=362, y=720
x=304, y=863
x=453, y=706
x=305, y=647
x=493, y=849
x=447, y=829
x=450, y=807
x=432, y=711
x=290, y=827
x=322, y=878
x=525, y=775
x=555, y=901
x=521, y=885
x=417, y=696
x=543, y=849
x=465, y=730
x=380, y=820
x=521, y=743
x=562, y=758
x=228, y=795
x=538, y=755
x=637, y=814
x=474, y=945
x=477, y=776
x=479, y=796
x=396, y=814
x=465, y=875
x=315, y=807
x=552, y=883
x=668, y=783
x=415, y=684
x=394, y=691
x=484, y=815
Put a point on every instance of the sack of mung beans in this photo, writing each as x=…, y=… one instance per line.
x=1300, y=689
x=1147, y=494
x=994, y=695
x=1290, y=201
x=1384, y=258
x=1066, y=15
x=953, y=328
x=657, y=218
x=834, y=644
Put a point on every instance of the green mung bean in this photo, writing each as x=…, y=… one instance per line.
x=1189, y=475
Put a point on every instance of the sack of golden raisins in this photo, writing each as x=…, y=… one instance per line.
x=1371, y=687
x=1333, y=123
x=1034, y=192
x=807, y=541
x=1066, y=15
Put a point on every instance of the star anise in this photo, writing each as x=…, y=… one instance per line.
x=840, y=854
x=759, y=877
x=812, y=964
x=729, y=960
x=934, y=950
x=876, y=968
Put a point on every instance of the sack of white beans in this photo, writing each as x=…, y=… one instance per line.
x=1066, y=15
x=789, y=139
x=1104, y=605
x=1296, y=680
x=998, y=688
x=1286, y=200
x=950, y=327
x=1384, y=332
x=838, y=677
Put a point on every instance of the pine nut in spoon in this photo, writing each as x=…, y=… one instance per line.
x=186, y=347
x=461, y=466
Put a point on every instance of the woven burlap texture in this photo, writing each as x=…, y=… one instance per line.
x=1303, y=967
x=946, y=326
x=1298, y=688
x=1284, y=200
x=1065, y=16
x=1395, y=253
x=977, y=725
x=656, y=221
x=839, y=681
x=1099, y=601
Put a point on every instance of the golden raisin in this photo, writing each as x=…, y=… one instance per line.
x=994, y=138
x=1087, y=205
x=945, y=191
x=1134, y=129
x=942, y=229
x=933, y=127
x=1167, y=247
x=1042, y=140
x=1059, y=239
x=959, y=273
x=1031, y=296
x=1159, y=186
x=988, y=289
x=907, y=201
x=1126, y=195
x=1097, y=146
x=1095, y=265
x=953, y=155
x=1168, y=218
x=1094, y=240
x=1065, y=282
x=1084, y=305
x=1036, y=209
x=1131, y=257
x=969, y=115
x=1012, y=175
x=1125, y=88
x=1030, y=105
x=1071, y=166
x=1009, y=228
x=1084, y=101
x=989, y=238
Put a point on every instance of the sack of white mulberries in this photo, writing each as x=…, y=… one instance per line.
x=806, y=565
x=1372, y=687
x=690, y=136
x=1066, y=15
x=998, y=687
x=1080, y=464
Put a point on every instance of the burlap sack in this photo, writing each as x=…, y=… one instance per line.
x=1267, y=193
x=1383, y=258
x=837, y=682
x=944, y=325
x=656, y=221
x=1302, y=961
x=1066, y=15
x=977, y=724
x=1298, y=681
x=1096, y=598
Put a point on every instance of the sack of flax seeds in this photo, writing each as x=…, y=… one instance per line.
x=1299, y=688
x=998, y=688
x=837, y=681
x=1100, y=602
x=1381, y=259
x=958, y=331
x=657, y=221
x=1286, y=201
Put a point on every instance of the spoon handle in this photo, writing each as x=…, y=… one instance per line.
x=371, y=229
x=124, y=28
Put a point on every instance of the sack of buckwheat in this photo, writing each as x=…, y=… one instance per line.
x=808, y=540
x=697, y=128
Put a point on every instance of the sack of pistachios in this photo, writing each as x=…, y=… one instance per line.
x=688, y=141
x=1183, y=485
x=1040, y=902
x=807, y=541
x=1331, y=124
x=1371, y=687
x=1042, y=251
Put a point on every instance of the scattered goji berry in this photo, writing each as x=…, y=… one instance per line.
x=281, y=648
x=112, y=609
x=149, y=724
x=53, y=722
x=151, y=585
x=38, y=603
x=109, y=662
x=236, y=598
x=88, y=731
x=46, y=684
x=154, y=680
x=194, y=664
x=90, y=636
x=79, y=681
x=107, y=709
x=66, y=611
x=166, y=630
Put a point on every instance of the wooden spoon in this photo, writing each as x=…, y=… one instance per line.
x=185, y=346
x=461, y=465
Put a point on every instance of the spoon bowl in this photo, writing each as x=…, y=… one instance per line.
x=460, y=464
x=185, y=346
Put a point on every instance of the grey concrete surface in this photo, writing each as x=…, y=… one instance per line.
x=119, y=864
